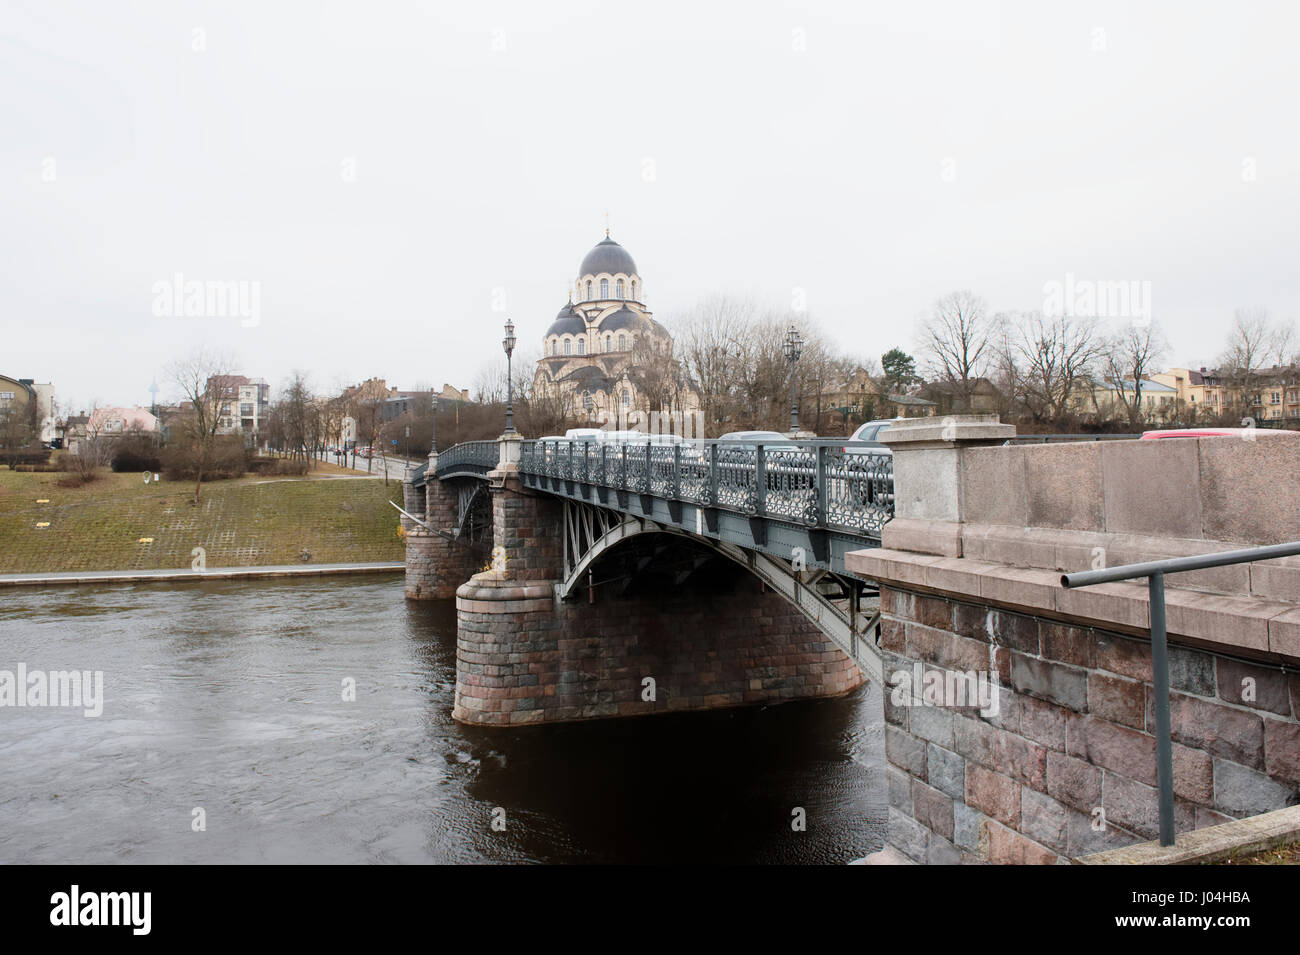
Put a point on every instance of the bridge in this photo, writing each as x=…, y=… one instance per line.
x=789, y=513
x=595, y=580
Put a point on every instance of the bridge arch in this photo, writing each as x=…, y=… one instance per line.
x=591, y=533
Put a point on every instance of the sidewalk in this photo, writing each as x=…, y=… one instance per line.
x=78, y=577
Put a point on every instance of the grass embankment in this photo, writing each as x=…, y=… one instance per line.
x=242, y=523
x=1280, y=855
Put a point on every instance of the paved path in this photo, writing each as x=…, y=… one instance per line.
x=77, y=577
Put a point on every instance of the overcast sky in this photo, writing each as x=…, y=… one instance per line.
x=376, y=170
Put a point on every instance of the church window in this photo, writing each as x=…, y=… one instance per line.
x=622, y=342
x=626, y=398
x=634, y=289
x=604, y=288
x=620, y=288
x=588, y=290
x=609, y=343
x=582, y=346
x=567, y=346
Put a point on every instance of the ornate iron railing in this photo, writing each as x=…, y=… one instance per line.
x=825, y=483
x=478, y=457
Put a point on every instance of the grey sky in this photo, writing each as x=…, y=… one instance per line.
x=874, y=155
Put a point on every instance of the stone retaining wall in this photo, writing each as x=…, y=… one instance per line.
x=1067, y=764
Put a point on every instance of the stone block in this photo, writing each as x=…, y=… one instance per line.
x=899, y=785
x=1282, y=751
x=1073, y=782
x=1122, y=655
x=1284, y=636
x=1115, y=604
x=1236, y=622
x=1136, y=806
x=1055, y=682
x=969, y=830
x=993, y=486
x=1015, y=631
x=1065, y=486
x=1094, y=832
x=1044, y=820
x=1250, y=490
x=1276, y=579
x=908, y=836
x=1067, y=644
x=1241, y=791
x=941, y=537
x=1020, y=587
x=905, y=751
x=932, y=809
x=995, y=795
x=1042, y=722
x=1117, y=699
x=1008, y=847
x=1259, y=687
x=1135, y=504
x=1004, y=752
x=1217, y=729
x=942, y=852
x=946, y=771
x=933, y=724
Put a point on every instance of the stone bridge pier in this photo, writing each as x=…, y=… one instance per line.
x=687, y=630
x=435, y=564
x=1063, y=761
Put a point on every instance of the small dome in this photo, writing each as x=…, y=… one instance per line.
x=568, y=322
x=607, y=256
x=623, y=319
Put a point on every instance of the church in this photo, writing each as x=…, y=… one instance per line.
x=604, y=353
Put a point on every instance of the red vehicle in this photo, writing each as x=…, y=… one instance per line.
x=1211, y=433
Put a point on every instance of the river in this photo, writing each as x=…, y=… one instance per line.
x=227, y=697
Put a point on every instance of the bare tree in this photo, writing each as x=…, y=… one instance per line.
x=1051, y=359
x=1254, y=343
x=208, y=384
x=954, y=342
x=710, y=340
x=1129, y=357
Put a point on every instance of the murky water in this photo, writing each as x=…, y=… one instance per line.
x=227, y=697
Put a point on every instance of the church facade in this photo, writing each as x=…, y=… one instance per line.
x=604, y=354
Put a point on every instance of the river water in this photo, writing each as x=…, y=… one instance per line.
x=227, y=696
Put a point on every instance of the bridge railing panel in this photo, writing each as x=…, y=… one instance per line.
x=827, y=483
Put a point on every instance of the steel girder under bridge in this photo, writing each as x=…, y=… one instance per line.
x=833, y=602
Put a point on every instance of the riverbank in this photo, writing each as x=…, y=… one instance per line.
x=120, y=524
x=80, y=578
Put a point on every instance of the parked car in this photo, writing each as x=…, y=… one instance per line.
x=869, y=434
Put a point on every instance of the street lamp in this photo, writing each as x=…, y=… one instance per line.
x=508, y=343
x=793, y=348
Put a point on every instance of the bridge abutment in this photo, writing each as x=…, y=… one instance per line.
x=1059, y=760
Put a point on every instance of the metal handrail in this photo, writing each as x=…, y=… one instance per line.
x=1154, y=571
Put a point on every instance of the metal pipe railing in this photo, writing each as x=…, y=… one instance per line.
x=1154, y=571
